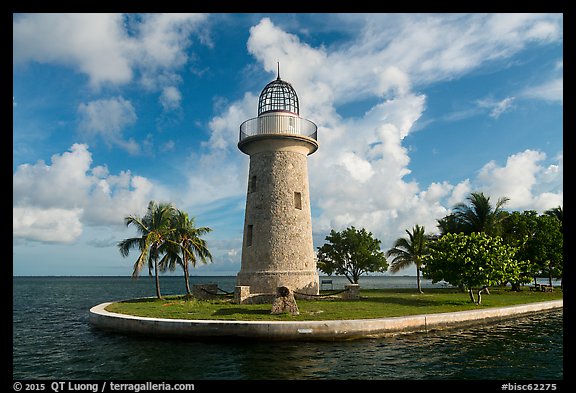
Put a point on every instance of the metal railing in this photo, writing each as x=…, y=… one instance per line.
x=278, y=124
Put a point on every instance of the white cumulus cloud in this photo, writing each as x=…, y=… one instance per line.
x=51, y=225
x=170, y=98
x=519, y=179
x=94, y=44
x=113, y=50
x=107, y=118
x=53, y=202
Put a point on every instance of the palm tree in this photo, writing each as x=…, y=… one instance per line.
x=184, y=244
x=448, y=224
x=556, y=212
x=154, y=228
x=409, y=251
x=479, y=216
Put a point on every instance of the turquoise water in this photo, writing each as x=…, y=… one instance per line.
x=53, y=340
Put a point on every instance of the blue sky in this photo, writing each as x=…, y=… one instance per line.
x=414, y=112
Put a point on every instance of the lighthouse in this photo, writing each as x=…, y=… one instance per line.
x=277, y=248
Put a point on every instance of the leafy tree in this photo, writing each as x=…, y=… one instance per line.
x=351, y=253
x=184, y=244
x=559, y=214
x=477, y=216
x=474, y=262
x=154, y=228
x=540, y=242
x=546, y=246
x=518, y=229
x=409, y=251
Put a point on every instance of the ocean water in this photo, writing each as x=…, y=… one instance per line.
x=52, y=340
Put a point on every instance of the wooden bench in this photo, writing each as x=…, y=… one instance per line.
x=326, y=282
x=542, y=288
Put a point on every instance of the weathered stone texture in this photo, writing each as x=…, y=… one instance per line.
x=284, y=302
x=277, y=247
x=352, y=292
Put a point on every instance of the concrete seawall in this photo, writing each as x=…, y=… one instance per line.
x=328, y=330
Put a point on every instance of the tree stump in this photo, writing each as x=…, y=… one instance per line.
x=284, y=302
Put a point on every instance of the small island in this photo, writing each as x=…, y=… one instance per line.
x=480, y=249
x=377, y=313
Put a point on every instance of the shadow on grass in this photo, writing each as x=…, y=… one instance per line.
x=141, y=300
x=416, y=301
x=239, y=310
x=169, y=298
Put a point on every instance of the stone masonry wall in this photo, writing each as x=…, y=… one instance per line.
x=280, y=251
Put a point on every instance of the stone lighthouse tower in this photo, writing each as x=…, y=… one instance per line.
x=277, y=248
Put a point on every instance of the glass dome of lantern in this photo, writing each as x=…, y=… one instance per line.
x=278, y=96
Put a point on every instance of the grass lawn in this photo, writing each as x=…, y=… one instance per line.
x=374, y=303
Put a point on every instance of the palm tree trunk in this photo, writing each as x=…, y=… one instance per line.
x=186, y=277
x=418, y=280
x=157, y=278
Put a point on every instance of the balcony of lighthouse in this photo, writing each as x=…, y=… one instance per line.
x=278, y=124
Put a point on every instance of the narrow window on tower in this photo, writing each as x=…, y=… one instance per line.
x=249, y=235
x=298, y=200
x=252, y=186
